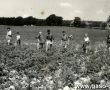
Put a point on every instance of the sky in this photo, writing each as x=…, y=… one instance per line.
x=95, y=10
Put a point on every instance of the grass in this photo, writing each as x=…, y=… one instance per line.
x=64, y=66
x=29, y=33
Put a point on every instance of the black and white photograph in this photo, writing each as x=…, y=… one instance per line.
x=54, y=44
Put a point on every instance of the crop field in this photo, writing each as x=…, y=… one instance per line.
x=28, y=33
x=26, y=68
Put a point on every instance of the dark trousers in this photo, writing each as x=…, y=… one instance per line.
x=85, y=45
x=19, y=42
x=41, y=45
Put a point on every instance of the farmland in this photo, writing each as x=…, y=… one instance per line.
x=28, y=33
x=58, y=67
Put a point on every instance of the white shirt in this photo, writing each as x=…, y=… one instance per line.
x=9, y=33
x=86, y=39
x=18, y=37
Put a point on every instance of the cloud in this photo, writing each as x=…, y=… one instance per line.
x=22, y=13
x=25, y=15
x=100, y=12
x=65, y=4
x=78, y=11
x=19, y=12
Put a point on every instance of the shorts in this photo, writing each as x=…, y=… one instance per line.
x=8, y=37
x=85, y=45
x=18, y=42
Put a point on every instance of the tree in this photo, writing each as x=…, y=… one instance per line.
x=108, y=19
x=103, y=25
x=83, y=24
x=19, y=21
x=108, y=23
x=54, y=20
x=30, y=20
x=77, y=22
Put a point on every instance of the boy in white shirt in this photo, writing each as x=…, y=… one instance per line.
x=9, y=36
x=86, y=43
x=86, y=38
x=18, y=40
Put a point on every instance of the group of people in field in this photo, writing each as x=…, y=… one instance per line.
x=9, y=37
x=40, y=39
x=48, y=41
x=65, y=41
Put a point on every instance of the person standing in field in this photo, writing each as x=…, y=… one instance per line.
x=108, y=42
x=49, y=40
x=86, y=43
x=40, y=40
x=69, y=38
x=64, y=39
x=18, y=39
x=9, y=36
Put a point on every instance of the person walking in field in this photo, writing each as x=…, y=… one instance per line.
x=49, y=40
x=18, y=39
x=64, y=39
x=108, y=42
x=86, y=43
x=40, y=40
x=9, y=36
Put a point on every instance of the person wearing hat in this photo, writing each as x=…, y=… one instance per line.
x=64, y=39
x=40, y=40
x=49, y=40
x=9, y=36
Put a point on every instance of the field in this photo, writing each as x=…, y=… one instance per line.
x=28, y=33
x=58, y=67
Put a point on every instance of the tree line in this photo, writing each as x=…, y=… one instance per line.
x=51, y=20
